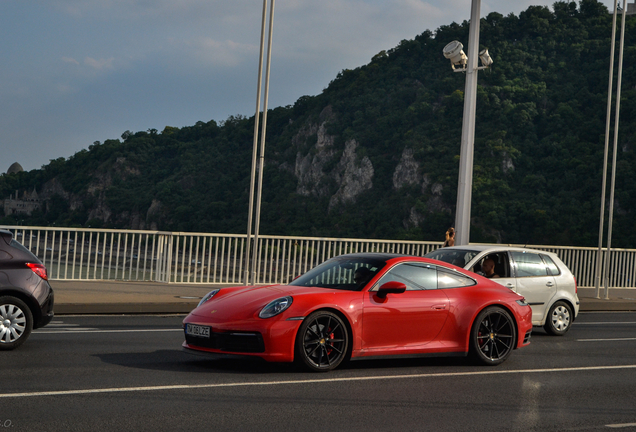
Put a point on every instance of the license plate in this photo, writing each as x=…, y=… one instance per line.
x=197, y=330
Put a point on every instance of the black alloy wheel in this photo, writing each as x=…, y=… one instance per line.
x=493, y=336
x=559, y=319
x=322, y=343
x=16, y=322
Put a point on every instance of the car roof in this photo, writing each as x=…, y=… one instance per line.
x=494, y=248
x=6, y=235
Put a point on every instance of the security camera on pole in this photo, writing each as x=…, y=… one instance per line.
x=454, y=52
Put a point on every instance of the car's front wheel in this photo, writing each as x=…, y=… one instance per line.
x=559, y=319
x=322, y=343
x=16, y=322
x=493, y=336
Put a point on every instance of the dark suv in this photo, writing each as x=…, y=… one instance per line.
x=26, y=298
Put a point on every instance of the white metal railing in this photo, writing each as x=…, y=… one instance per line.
x=200, y=258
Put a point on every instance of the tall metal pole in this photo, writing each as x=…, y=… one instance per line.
x=616, y=118
x=255, y=147
x=262, y=154
x=465, y=184
x=608, y=115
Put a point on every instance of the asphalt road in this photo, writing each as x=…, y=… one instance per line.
x=116, y=373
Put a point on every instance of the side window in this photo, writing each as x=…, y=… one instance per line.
x=416, y=276
x=529, y=264
x=552, y=267
x=447, y=279
x=500, y=261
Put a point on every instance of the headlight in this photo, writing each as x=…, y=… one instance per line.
x=522, y=302
x=208, y=296
x=275, y=307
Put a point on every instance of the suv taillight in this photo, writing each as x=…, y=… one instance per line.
x=39, y=270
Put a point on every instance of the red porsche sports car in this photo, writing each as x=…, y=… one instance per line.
x=362, y=306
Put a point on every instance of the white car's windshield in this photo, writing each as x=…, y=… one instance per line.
x=458, y=257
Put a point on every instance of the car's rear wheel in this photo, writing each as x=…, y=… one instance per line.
x=559, y=319
x=16, y=322
x=493, y=336
x=322, y=343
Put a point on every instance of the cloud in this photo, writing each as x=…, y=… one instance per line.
x=65, y=88
x=100, y=64
x=227, y=53
x=70, y=60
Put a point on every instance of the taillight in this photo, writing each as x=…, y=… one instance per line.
x=39, y=270
x=576, y=286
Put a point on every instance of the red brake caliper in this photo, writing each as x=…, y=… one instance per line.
x=329, y=350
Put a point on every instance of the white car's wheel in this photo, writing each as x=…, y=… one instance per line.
x=559, y=319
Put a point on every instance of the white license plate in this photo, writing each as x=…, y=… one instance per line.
x=197, y=330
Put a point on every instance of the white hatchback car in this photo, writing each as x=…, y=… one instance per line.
x=541, y=277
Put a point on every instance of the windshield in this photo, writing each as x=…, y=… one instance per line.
x=348, y=272
x=458, y=257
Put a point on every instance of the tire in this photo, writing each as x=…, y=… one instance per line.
x=16, y=322
x=493, y=336
x=559, y=319
x=322, y=343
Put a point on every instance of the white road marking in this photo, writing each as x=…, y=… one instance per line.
x=309, y=381
x=621, y=425
x=604, y=323
x=605, y=340
x=61, y=324
x=91, y=330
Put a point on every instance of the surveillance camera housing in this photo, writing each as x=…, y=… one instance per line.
x=485, y=58
x=454, y=52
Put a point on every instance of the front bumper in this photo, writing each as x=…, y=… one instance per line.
x=271, y=340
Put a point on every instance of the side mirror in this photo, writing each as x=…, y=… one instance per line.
x=392, y=287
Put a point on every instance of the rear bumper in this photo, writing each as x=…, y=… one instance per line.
x=46, y=309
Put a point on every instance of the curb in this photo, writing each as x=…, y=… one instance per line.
x=612, y=305
x=123, y=308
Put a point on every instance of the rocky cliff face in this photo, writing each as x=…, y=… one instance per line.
x=352, y=175
x=96, y=192
x=309, y=168
x=342, y=175
x=408, y=173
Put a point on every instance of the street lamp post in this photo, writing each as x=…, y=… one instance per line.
x=603, y=276
x=250, y=265
x=453, y=52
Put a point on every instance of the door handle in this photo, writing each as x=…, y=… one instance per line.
x=549, y=284
x=439, y=307
x=510, y=285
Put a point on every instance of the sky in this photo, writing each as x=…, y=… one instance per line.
x=73, y=72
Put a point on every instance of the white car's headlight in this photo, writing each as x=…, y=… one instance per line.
x=276, y=307
x=208, y=296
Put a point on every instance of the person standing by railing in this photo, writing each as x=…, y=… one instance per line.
x=450, y=237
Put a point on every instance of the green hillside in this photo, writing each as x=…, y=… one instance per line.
x=376, y=154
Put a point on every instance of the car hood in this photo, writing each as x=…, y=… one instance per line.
x=239, y=303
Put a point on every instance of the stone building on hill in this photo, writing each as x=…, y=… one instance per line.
x=15, y=168
x=22, y=206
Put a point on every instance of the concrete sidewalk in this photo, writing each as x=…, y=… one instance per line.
x=110, y=297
